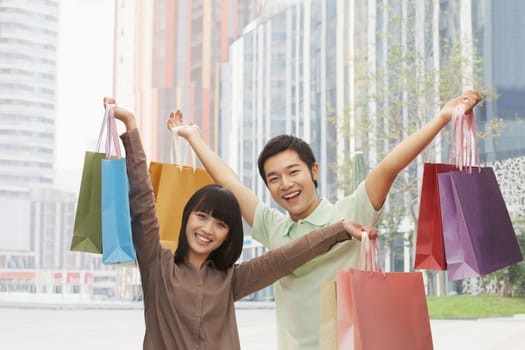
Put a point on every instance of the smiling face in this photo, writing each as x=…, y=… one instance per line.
x=205, y=234
x=291, y=183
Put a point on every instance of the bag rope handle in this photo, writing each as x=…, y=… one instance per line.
x=110, y=126
x=178, y=156
x=371, y=254
x=463, y=140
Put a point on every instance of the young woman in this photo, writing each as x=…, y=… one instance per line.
x=189, y=295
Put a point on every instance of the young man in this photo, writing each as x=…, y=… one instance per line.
x=288, y=167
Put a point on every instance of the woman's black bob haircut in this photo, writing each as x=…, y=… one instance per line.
x=220, y=203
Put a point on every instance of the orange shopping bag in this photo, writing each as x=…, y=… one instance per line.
x=379, y=310
x=173, y=185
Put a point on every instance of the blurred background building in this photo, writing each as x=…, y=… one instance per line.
x=167, y=57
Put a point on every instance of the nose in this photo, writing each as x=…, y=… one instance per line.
x=207, y=225
x=285, y=182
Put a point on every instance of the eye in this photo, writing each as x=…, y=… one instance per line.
x=294, y=172
x=273, y=180
x=200, y=214
x=222, y=224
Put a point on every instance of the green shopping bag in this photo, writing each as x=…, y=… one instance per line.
x=87, y=231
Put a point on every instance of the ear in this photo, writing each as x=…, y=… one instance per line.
x=315, y=171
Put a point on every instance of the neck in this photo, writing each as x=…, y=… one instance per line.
x=196, y=261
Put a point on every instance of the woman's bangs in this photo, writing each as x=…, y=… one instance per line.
x=220, y=205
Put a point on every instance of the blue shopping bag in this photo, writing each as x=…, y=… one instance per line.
x=117, y=241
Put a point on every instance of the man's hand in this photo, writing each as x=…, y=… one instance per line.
x=469, y=99
x=176, y=121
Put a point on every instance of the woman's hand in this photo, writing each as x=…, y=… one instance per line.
x=176, y=120
x=356, y=230
x=469, y=98
x=121, y=114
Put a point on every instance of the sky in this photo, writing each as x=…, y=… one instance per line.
x=85, y=69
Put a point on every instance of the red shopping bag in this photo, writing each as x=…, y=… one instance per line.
x=430, y=251
x=379, y=310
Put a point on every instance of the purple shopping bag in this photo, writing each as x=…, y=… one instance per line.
x=477, y=231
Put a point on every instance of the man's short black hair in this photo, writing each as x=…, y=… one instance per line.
x=282, y=143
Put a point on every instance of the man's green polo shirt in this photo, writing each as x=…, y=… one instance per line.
x=297, y=295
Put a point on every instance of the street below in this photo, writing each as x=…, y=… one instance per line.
x=101, y=329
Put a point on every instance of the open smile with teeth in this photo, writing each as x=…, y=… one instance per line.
x=202, y=239
x=291, y=195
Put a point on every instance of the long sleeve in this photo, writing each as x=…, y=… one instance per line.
x=145, y=226
x=262, y=271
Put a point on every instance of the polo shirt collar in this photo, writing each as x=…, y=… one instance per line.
x=319, y=217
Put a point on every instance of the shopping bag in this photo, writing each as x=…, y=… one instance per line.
x=87, y=228
x=173, y=185
x=478, y=233
x=477, y=230
x=155, y=169
x=328, y=317
x=380, y=310
x=329, y=308
x=430, y=251
x=117, y=241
